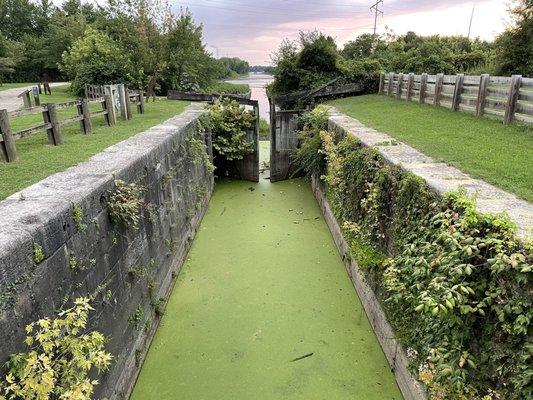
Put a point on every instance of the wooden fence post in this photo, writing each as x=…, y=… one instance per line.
x=107, y=105
x=514, y=89
x=26, y=99
x=381, y=83
x=459, y=81
x=399, y=86
x=9, y=150
x=438, y=89
x=140, y=106
x=50, y=116
x=410, y=81
x=86, y=125
x=40, y=88
x=423, y=88
x=127, y=99
x=482, y=94
x=391, y=82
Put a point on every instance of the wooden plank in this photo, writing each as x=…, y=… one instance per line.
x=86, y=125
x=525, y=96
x=399, y=86
x=391, y=83
x=527, y=82
x=76, y=118
x=381, y=83
x=409, y=89
x=438, y=89
x=423, y=88
x=61, y=106
x=504, y=80
x=528, y=119
x=99, y=113
x=107, y=106
x=26, y=111
x=516, y=81
x=482, y=94
x=127, y=103
x=50, y=117
x=30, y=131
x=7, y=146
x=459, y=79
x=524, y=108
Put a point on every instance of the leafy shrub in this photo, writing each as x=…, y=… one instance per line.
x=96, y=59
x=124, y=204
x=264, y=129
x=229, y=123
x=455, y=283
x=62, y=355
x=309, y=156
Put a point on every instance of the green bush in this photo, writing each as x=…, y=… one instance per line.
x=125, y=203
x=455, y=283
x=229, y=123
x=95, y=59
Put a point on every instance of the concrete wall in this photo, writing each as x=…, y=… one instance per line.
x=122, y=269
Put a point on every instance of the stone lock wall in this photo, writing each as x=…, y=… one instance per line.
x=128, y=273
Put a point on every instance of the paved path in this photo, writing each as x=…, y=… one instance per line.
x=264, y=309
x=10, y=101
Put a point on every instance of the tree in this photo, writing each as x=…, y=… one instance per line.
x=188, y=65
x=514, y=47
x=96, y=59
x=361, y=47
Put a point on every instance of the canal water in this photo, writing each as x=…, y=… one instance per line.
x=264, y=309
x=258, y=83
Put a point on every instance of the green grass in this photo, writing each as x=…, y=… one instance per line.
x=263, y=285
x=482, y=147
x=60, y=94
x=38, y=159
x=228, y=88
x=6, y=86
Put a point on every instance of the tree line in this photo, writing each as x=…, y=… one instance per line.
x=316, y=59
x=119, y=41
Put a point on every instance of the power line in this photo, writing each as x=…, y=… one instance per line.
x=471, y=18
x=377, y=12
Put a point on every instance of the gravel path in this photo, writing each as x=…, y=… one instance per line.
x=10, y=101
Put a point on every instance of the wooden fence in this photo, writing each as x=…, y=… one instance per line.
x=52, y=124
x=507, y=98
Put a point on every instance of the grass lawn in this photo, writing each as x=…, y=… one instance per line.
x=482, y=147
x=37, y=159
x=6, y=86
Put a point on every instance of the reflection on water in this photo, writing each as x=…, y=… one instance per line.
x=258, y=83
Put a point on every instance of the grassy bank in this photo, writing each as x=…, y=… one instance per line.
x=481, y=147
x=228, y=88
x=39, y=160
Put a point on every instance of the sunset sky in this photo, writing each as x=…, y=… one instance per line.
x=253, y=29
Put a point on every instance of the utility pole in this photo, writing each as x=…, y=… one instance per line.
x=471, y=18
x=377, y=11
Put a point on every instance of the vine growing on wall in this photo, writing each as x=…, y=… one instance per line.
x=61, y=359
x=456, y=284
x=125, y=203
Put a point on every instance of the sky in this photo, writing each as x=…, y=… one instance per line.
x=252, y=30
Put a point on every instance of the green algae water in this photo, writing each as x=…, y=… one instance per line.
x=264, y=309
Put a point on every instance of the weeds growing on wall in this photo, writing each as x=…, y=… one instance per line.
x=124, y=204
x=455, y=283
x=61, y=361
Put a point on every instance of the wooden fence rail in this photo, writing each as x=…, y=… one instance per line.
x=507, y=98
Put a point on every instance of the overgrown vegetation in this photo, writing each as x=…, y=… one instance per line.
x=62, y=359
x=229, y=122
x=481, y=147
x=456, y=284
x=125, y=204
x=314, y=59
